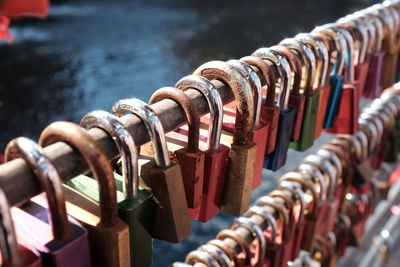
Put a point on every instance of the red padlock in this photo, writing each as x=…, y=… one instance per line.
x=346, y=119
x=296, y=99
x=216, y=154
x=189, y=157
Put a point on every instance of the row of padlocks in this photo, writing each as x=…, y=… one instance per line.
x=238, y=117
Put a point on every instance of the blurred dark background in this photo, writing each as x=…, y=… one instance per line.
x=88, y=54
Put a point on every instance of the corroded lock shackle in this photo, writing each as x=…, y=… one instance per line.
x=327, y=169
x=215, y=105
x=243, y=96
x=241, y=242
x=377, y=25
x=297, y=195
x=358, y=33
x=340, y=47
x=96, y=159
x=49, y=179
x=252, y=78
x=203, y=257
x=227, y=251
x=295, y=65
x=314, y=175
x=257, y=234
x=283, y=70
x=281, y=214
x=10, y=254
x=268, y=75
x=153, y=125
x=333, y=159
x=364, y=22
x=349, y=58
x=218, y=254
x=307, y=58
x=190, y=109
x=268, y=219
x=321, y=54
x=125, y=144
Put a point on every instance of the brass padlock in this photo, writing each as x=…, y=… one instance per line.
x=242, y=156
x=171, y=219
x=101, y=220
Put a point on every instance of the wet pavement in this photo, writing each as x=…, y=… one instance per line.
x=88, y=54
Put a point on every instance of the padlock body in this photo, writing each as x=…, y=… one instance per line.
x=335, y=97
x=346, y=121
x=270, y=116
x=216, y=165
x=360, y=75
x=38, y=236
x=277, y=158
x=171, y=220
x=373, y=86
x=306, y=139
x=394, y=139
x=297, y=102
x=30, y=258
x=87, y=212
x=138, y=214
x=389, y=69
x=239, y=179
x=322, y=108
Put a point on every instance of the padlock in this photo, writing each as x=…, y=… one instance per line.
x=216, y=154
x=279, y=253
x=269, y=110
x=277, y=158
x=136, y=206
x=259, y=129
x=358, y=30
x=101, y=220
x=312, y=94
x=296, y=99
x=336, y=76
x=164, y=178
x=325, y=88
x=218, y=254
x=189, y=157
x=233, y=257
x=242, y=155
x=58, y=239
x=244, y=256
x=346, y=118
x=373, y=87
x=13, y=254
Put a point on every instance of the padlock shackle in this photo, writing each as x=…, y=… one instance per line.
x=76, y=137
x=339, y=46
x=340, y=154
x=287, y=202
x=308, y=61
x=282, y=67
x=217, y=253
x=371, y=131
x=243, y=97
x=252, y=78
x=190, y=109
x=268, y=75
x=268, y=219
x=333, y=159
x=153, y=125
x=317, y=177
x=295, y=65
x=226, y=250
x=297, y=196
x=240, y=241
x=367, y=23
x=377, y=26
x=362, y=137
x=10, y=253
x=49, y=179
x=387, y=22
x=215, y=105
x=327, y=44
x=125, y=144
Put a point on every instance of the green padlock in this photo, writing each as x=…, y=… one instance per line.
x=135, y=204
x=312, y=93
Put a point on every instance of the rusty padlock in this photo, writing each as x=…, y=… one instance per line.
x=189, y=156
x=101, y=220
x=277, y=158
x=171, y=219
x=62, y=242
x=269, y=110
x=296, y=99
x=13, y=254
x=242, y=155
x=216, y=154
x=346, y=118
